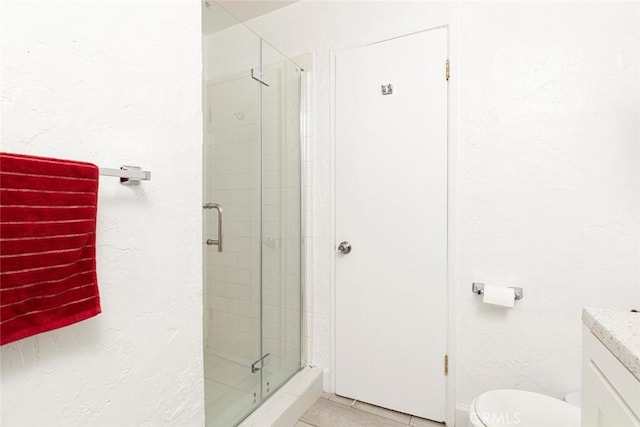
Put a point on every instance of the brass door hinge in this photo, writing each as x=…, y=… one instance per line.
x=447, y=70
x=446, y=364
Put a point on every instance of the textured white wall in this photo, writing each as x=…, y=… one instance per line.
x=545, y=173
x=549, y=194
x=114, y=83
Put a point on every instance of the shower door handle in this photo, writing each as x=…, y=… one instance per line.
x=218, y=242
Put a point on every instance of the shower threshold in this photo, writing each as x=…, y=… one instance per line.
x=284, y=407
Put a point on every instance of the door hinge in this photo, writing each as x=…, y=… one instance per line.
x=446, y=364
x=447, y=69
x=258, y=76
x=260, y=363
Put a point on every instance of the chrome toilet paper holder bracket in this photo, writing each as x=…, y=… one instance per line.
x=478, y=288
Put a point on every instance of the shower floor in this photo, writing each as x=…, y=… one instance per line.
x=232, y=391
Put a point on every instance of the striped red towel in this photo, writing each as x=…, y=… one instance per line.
x=47, y=244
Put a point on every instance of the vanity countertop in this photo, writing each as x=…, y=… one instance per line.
x=619, y=331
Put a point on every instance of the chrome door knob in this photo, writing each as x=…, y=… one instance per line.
x=344, y=247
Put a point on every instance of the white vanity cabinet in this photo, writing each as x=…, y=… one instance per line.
x=610, y=392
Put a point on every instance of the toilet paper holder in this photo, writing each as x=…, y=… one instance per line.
x=478, y=288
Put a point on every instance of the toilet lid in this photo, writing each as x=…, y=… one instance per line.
x=524, y=409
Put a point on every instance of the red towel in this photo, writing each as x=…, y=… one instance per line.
x=47, y=244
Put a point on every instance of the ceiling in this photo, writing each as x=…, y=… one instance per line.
x=242, y=10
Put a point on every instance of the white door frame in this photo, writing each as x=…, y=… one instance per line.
x=451, y=23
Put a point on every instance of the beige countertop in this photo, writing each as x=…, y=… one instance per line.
x=619, y=331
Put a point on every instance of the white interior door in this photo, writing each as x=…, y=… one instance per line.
x=391, y=206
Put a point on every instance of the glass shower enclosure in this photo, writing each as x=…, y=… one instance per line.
x=252, y=224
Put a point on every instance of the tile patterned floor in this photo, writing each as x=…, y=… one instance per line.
x=336, y=411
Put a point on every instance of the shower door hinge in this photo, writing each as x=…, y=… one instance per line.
x=260, y=363
x=258, y=76
x=446, y=364
x=447, y=70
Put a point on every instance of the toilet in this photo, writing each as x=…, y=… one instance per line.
x=502, y=408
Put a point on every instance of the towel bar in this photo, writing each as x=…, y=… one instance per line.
x=129, y=175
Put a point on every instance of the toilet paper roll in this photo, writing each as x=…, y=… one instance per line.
x=504, y=297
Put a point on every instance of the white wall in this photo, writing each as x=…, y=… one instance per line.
x=549, y=194
x=545, y=104
x=114, y=83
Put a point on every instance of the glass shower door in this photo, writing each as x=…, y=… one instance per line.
x=232, y=189
x=281, y=218
x=252, y=219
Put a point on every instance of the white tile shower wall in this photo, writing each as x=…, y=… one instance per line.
x=545, y=169
x=114, y=83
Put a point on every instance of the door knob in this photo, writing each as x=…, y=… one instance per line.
x=344, y=247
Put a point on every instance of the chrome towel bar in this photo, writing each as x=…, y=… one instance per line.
x=129, y=175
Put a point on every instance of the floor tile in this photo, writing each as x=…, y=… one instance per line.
x=384, y=412
x=302, y=424
x=421, y=422
x=328, y=413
